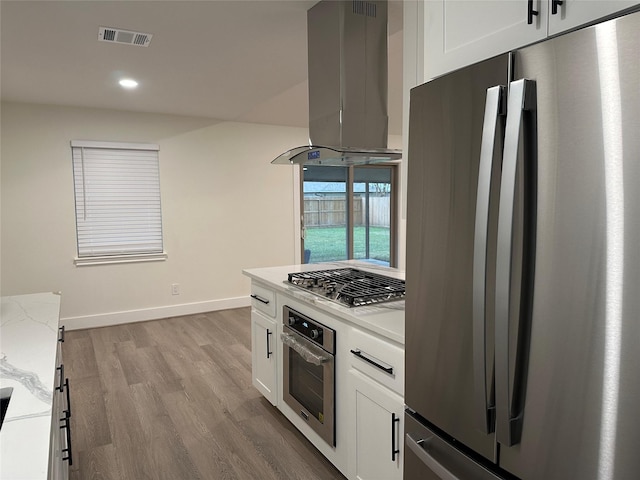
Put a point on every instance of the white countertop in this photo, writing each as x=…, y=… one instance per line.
x=28, y=341
x=385, y=319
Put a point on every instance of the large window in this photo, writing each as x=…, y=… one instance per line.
x=117, y=192
x=349, y=213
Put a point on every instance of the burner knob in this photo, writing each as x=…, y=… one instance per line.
x=315, y=334
x=292, y=320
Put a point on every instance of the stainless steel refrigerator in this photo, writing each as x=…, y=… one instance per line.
x=523, y=264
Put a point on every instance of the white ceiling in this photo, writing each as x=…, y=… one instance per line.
x=236, y=60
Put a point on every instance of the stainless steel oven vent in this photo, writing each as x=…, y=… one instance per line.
x=348, y=120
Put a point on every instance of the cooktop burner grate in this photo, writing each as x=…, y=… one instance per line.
x=350, y=286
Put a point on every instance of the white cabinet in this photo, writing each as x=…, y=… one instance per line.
x=376, y=430
x=573, y=13
x=376, y=408
x=264, y=363
x=263, y=355
x=461, y=32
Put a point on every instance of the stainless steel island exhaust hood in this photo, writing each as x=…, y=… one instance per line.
x=348, y=123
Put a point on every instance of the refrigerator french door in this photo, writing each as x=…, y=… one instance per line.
x=523, y=263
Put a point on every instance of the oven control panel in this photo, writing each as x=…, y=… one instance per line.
x=310, y=329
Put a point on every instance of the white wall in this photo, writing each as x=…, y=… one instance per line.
x=224, y=207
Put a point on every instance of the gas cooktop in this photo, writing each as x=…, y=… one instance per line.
x=349, y=286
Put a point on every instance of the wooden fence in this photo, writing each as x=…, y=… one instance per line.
x=327, y=212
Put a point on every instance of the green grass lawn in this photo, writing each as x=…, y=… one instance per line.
x=329, y=243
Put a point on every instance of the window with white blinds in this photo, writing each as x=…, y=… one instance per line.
x=117, y=191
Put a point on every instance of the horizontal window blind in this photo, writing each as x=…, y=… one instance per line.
x=117, y=190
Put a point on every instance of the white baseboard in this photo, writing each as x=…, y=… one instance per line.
x=155, y=313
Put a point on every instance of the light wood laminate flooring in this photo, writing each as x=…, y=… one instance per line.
x=172, y=399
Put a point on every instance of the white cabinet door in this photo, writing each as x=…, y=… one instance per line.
x=462, y=32
x=263, y=355
x=573, y=13
x=377, y=430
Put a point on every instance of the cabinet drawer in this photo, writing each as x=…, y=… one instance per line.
x=378, y=359
x=263, y=299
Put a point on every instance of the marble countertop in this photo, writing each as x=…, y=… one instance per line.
x=385, y=319
x=28, y=341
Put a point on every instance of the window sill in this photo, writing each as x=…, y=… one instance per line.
x=109, y=259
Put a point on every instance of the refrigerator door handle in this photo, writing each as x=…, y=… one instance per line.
x=494, y=108
x=509, y=397
x=418, y=448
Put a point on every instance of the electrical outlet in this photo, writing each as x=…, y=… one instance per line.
x=175, y=289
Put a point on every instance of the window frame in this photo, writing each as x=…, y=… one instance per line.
x=81, y=193
x=393, y=247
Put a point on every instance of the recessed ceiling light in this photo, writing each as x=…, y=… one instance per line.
x=128, y=83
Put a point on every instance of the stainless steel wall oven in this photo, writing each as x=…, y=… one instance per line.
x=309, y=371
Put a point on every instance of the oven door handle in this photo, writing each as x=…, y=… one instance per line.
x=308, y=351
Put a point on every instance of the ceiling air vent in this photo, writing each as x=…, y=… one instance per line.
x=127, y=37
x=361, y=7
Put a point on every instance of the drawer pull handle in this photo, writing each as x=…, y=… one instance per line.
x=68, y=410
x=373, y=361
x=60, y=386
x=420, y=449
x=530, y=12
x=260, y=299
x=67, y=450
x=394, y=448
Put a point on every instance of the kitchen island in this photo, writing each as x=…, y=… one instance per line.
x=358, y=422
x=30, y=443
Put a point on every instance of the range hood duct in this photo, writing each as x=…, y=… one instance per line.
x=348, y=123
